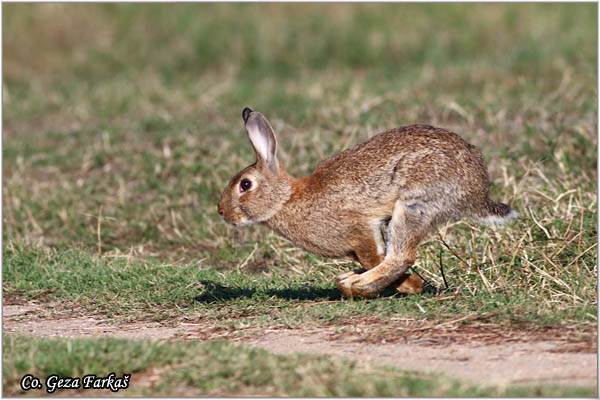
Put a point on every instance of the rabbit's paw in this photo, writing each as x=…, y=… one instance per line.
x=354, y=285
x=345, y=275
x=409, y=284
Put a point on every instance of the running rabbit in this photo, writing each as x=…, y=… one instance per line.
x=374, y=202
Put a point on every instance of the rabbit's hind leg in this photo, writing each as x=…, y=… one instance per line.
x=409, y=224
x=369, y=251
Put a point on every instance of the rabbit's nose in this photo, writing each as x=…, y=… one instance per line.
x=220, y=210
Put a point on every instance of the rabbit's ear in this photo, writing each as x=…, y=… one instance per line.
x=262, y=138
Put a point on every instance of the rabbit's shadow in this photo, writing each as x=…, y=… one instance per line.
x=213, y=292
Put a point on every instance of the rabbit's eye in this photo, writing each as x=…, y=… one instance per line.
x=245, y=184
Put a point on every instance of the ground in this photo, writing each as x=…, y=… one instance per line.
x=122, y=125
x=481, y=354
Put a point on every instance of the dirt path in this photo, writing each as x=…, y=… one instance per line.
x=500, y=364
x=549, y=359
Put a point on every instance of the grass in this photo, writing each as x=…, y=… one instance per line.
x=125, y=289
x=121, y=127
x=225, y=369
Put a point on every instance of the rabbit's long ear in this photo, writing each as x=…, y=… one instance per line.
x=262, y=138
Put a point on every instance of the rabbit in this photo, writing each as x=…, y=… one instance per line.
x=374, y=202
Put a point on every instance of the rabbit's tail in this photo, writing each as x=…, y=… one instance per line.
x=497, y=214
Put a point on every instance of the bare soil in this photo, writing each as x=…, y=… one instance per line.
x=500, y=364
x=477, y=353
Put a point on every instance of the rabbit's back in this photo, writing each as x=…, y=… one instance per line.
x=416, y=160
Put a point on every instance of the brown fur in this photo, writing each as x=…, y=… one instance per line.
x=416, y=177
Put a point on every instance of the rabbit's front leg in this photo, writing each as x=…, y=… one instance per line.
x=368, y=248
x=408, y=226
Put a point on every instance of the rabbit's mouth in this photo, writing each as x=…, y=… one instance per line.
x=241, y=224
x=238, y=222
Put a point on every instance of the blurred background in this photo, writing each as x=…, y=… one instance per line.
x=122, y=122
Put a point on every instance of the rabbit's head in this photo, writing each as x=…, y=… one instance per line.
x=259, y=191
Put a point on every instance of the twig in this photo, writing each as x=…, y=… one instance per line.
x=419, y=275
x=539, y=224
x=456, y=255
x=512, y=259
x=579, y=256
x=442, y=270
x=243, y=264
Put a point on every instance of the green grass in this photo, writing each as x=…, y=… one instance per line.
x=122, y=125
x=129, y=289
x=225, y=369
